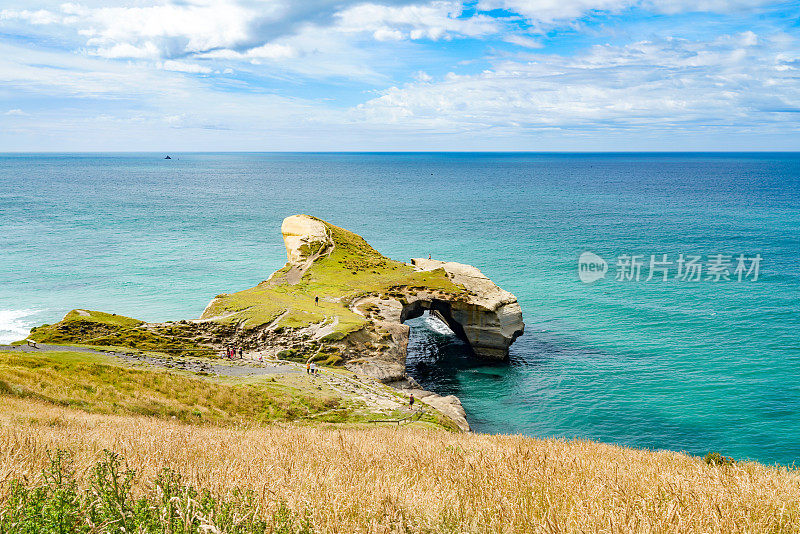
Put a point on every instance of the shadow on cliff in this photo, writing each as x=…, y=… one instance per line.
x=437, y=357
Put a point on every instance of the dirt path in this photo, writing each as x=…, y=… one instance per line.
x=296, y=272
x=375, y=395
x=220, y=367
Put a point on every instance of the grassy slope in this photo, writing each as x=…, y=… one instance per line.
x=99, y=329
x=407, y=480
x=354, y=268
x=95, y=383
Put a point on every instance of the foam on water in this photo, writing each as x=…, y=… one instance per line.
x=437, y=325
x=16, y=324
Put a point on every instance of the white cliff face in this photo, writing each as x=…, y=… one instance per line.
x=490, y=319
x=303, y=236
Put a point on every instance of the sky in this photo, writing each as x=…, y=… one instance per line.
x=399, y=75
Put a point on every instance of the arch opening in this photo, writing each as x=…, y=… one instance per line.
x=439, y=309
x=435, y=355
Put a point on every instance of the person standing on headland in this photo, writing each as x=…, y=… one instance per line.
x=316, y=301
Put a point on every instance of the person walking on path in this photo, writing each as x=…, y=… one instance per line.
x=313, y=368
x=308, y=367
x=316, y=301
x=241, y=353
x=411, y=400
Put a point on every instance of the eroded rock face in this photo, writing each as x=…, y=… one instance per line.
x=344, y=278
x=489, y=320
x=304, y=237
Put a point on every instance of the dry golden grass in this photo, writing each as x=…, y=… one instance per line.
x=413, y=480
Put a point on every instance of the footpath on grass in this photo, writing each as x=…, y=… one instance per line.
x=387, y=403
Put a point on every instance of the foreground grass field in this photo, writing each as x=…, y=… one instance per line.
x=299, y=478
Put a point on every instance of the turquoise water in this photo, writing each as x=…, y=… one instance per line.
x=698, y=367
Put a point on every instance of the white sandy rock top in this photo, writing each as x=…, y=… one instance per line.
x=489, y=295
x=299, y=230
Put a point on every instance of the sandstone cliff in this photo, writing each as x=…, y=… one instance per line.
x=363, y=300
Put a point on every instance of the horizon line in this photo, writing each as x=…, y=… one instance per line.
x=24, y=152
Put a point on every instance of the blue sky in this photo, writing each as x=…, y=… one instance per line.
x=575, y=75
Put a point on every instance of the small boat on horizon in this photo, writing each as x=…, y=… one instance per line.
x=168, y=157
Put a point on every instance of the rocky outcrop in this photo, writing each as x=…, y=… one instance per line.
x=490, y=319
x=339, y=300
x=449, y=405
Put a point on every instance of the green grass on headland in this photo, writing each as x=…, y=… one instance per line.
x=100, y=383
x=99, y=329
x=351, y=270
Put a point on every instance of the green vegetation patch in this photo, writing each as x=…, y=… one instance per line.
x=90, y=384
x=93, y=328
x=57, y=504
x=82, y=325
x=353, y=269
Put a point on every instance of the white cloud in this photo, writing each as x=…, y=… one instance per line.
x=182, y=66
x=267, y=51
x=522, y=40
x=126, y=105
x=38, y=17
x=436, y=20
x=173, y=29
x=127, y=63
x=387, y=34
x=318, y=38
x=673, y=84
x=125, y=50
x=16, y=111
x=422, y=76
x=555, y=11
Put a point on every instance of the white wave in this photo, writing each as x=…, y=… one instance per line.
x=16, y=324
x=437, y=325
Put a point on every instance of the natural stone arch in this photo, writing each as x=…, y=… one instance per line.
x=332, y=276
x=441, y=309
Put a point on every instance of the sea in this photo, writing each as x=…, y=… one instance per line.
x=660, y=291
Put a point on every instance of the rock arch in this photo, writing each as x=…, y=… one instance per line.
x=489, y=321
x=441, y=309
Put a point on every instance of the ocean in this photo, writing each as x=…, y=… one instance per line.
x=693, y=363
